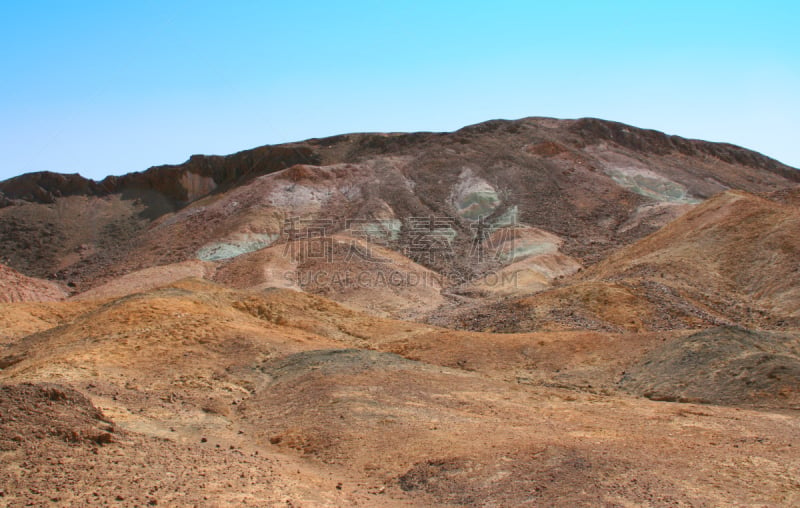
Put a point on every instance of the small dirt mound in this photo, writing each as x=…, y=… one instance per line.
x=15, y=287
x=38, y=412
x=539, y=477
x=441, y=478
x=728, y=366
x=333, y=361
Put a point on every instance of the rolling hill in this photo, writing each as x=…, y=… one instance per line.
x=536, y=312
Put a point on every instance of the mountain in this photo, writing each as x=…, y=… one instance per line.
x=536, y=312
x=593, y=185
x=734, y=259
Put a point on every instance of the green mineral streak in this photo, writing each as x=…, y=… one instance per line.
x=383, y=229
x=478, y=204
x=528, y=250
x=507, y=218
x=655, y=188
x=227, y=250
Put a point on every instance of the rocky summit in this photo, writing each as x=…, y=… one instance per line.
x=536, y=312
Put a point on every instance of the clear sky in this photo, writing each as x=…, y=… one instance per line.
x=116, y=86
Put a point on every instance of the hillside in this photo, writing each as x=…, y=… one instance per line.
x=535, y=312
x=735, y=259
x=594, y=184
x=313, y=400
x=15, y=287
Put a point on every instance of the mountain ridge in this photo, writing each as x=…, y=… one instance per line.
x=488, y=317
x=227, y=170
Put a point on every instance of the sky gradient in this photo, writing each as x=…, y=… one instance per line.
x=105, y=88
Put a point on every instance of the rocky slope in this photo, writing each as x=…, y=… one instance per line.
x=201, y=394
x=593, y=184
x=15, y=287
x=722, y=366
x=735, y=259
x=520, y=313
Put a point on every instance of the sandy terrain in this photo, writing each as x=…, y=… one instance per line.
x=526, y=313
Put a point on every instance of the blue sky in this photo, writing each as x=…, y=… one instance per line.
x=110, y=87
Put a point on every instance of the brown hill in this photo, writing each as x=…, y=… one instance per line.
x=72, y=455
x=315, y=324
x=594, y=184
x=735, y=259
x=739, y=244
x=722, y=366
x=267, y=397
x=15, y=287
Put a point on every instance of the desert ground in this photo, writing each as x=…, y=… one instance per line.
x=536, y=312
